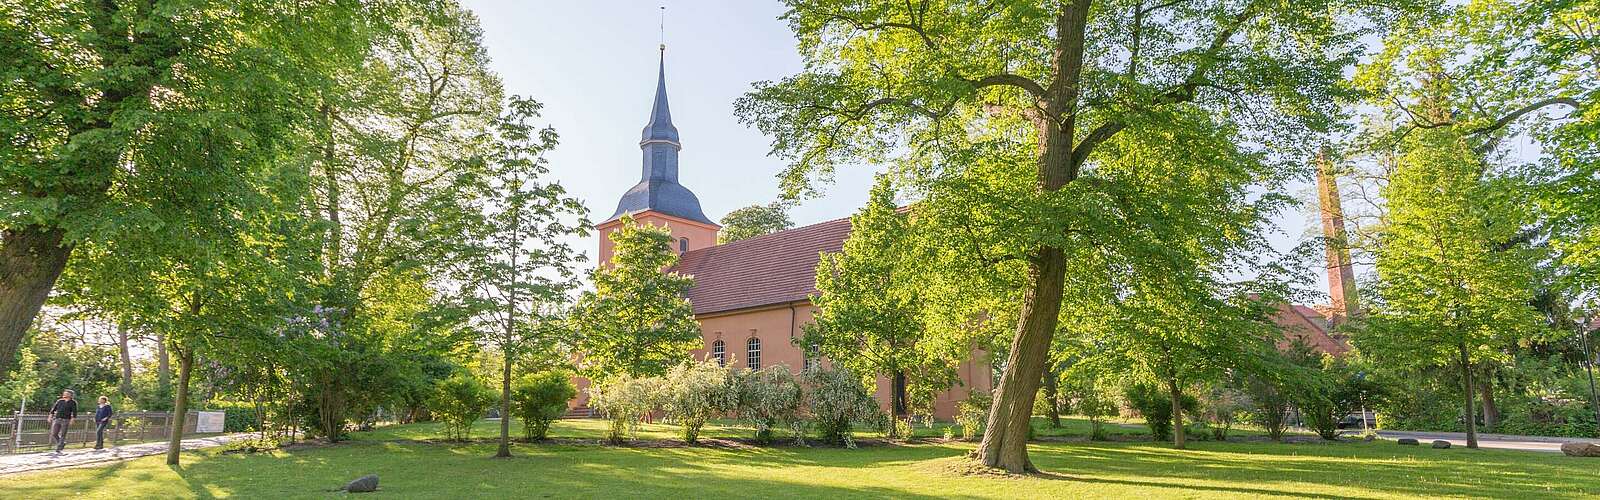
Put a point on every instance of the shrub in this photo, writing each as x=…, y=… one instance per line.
x=693, y=392
x=237, y=416
x=1221, y=407
x=458, y=401
x=971, y=413
x=1155, y=406
x=768, y=398
x=625, y=401
x=902, y=428
x=539, y=399
x=1269, y=404
x=1090, y=399
x=837, y=401
x=251, y=445
x=1334, y=390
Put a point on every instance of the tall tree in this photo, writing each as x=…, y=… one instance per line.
x=515, y=265
x=396, y=168
x=94, y=99
x=868, y=316
x=753, y=221
x=1454, y=241
x=925, y=79
x=636, y=322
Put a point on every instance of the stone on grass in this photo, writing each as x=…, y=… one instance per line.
x=1407, y=441
x=1441, y=444
x=1581, y=449
x=364, y=484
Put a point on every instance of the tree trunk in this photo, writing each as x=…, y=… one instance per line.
x=1178, y=434
x=1053, y=409
x=330, y=409
x=180, y=405
x=163, y=363
x=505, y=406
x=125, y=386
x=1466, y=390
x=1005, y=437
x=1491, y=411
x=31, y=258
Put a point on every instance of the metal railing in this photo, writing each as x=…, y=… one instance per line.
x=30, y=432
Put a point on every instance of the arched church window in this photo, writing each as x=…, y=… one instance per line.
x=719, y=351
x=683, y=245
x=752, y=354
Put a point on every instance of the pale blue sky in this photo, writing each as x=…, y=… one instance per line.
x=593, y=65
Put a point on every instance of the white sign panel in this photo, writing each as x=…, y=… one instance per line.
x=209, y=421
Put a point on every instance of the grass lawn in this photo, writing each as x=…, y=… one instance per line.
x=412, y=467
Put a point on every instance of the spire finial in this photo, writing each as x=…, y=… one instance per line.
x=663, y=28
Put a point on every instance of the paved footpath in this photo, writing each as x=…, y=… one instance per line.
x=12, y=464
x=1498, y=441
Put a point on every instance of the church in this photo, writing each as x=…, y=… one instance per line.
x=752, y=297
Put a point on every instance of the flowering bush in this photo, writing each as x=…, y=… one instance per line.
x=693, y=392
x=458, y=401
x=540, y=398
x=625, y=401
x=837, y=400
x=771, y=397
x=971, y=414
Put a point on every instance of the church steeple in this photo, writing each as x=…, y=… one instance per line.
x=658, y=187
x=660, y=128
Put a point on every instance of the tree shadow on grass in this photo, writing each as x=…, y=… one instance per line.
x=1364, y=470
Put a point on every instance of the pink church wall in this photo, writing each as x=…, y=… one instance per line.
x=699, y=235
x=778, y=327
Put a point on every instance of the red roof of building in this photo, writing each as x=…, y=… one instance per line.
x=1310, y=326
x=771, y=269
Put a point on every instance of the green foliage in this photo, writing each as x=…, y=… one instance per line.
x=1155, y=405
x=868, y=317
x=636, y=321
x=998, y=114
x=770, y=397
x=971, y=414
x=625, y=401
x=753, y=221
x=1222, y=406
x=459, y=401
x=1336, y=389
x=1091, y=397
x=837, y=401
x=52, y=361
x=691, y=393
x=539, y=399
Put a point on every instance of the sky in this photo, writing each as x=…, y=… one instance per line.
x=593, y=65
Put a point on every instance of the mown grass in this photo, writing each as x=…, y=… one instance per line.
x=410, y=466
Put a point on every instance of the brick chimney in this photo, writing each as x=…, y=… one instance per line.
x=1341, y=275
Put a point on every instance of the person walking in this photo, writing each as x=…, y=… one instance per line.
x=61, y=414
x=102, y=418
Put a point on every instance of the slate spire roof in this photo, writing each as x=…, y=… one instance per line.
x=658, y=188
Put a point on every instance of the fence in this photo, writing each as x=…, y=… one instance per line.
x=30, y=432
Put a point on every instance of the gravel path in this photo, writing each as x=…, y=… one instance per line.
x=12, y=464
x=1499, y=441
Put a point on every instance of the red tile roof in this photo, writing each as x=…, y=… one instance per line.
x=772, y=269
x=1309, y=326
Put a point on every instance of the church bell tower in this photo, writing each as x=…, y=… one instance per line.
x=658, y=199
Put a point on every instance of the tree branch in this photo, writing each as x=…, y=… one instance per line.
x=1514, y=115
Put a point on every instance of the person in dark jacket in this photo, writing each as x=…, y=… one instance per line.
x=102, y=418
x=61, y=415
